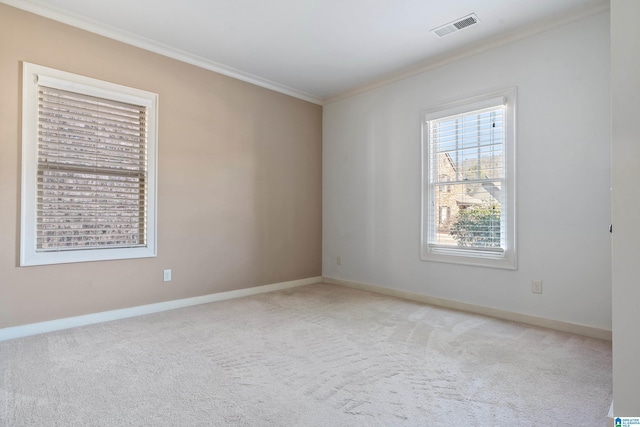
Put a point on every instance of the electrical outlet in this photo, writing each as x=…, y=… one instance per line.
x=339, y=260
x=167, y=275
x=536, y=286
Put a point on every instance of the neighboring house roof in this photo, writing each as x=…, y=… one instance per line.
x=488, y=191
x=492, y=189
x=453, y=166
x=467, y=200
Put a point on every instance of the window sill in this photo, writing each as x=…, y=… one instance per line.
x=506, y=261
x=31, y=258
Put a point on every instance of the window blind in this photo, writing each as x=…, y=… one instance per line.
x=91, y=172
x=467, y=179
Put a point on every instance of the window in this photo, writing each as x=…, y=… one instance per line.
x=88, y=169
x=468, y=206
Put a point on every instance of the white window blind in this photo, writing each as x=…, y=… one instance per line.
x=466, y=157
x=92, y=172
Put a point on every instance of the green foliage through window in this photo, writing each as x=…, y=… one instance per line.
x=478, y=226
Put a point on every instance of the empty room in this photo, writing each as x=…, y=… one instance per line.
x=319, y=213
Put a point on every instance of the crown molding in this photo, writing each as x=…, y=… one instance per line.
x=458, y=54
x=114, y=33
x=56, y=14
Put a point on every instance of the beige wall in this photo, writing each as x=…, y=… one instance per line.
x=239, y=201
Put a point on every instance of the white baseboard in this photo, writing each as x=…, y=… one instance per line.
x=141, y=310
x=106, y=316
x=610, y=422
x=558, y=325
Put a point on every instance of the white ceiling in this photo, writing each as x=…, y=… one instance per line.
x=312, y=49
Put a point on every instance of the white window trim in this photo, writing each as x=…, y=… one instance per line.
x=503, y=260
x=32, y=74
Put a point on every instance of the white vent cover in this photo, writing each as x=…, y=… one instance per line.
x=456, y=25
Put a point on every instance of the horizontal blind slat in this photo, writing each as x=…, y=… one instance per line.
x=52, y=110
x=67, y=96
x=54, y=158
x=76, y=127
x=88, y=123
x=60, y=140
x=53, y=106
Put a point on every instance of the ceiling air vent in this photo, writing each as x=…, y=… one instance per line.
x=456, y=25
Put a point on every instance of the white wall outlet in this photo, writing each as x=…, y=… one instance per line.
x=167, y=275
x=339, y=260
x=536, y=286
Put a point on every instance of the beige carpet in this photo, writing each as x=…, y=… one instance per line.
x=318, y=355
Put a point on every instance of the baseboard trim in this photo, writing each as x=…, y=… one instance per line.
x=610, y=420
x=558, y=325
x=141, y=310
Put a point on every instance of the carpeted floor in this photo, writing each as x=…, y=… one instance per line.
x=318, y=355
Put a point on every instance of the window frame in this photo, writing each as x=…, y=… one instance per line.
x=506, y=259
x=32, y=75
